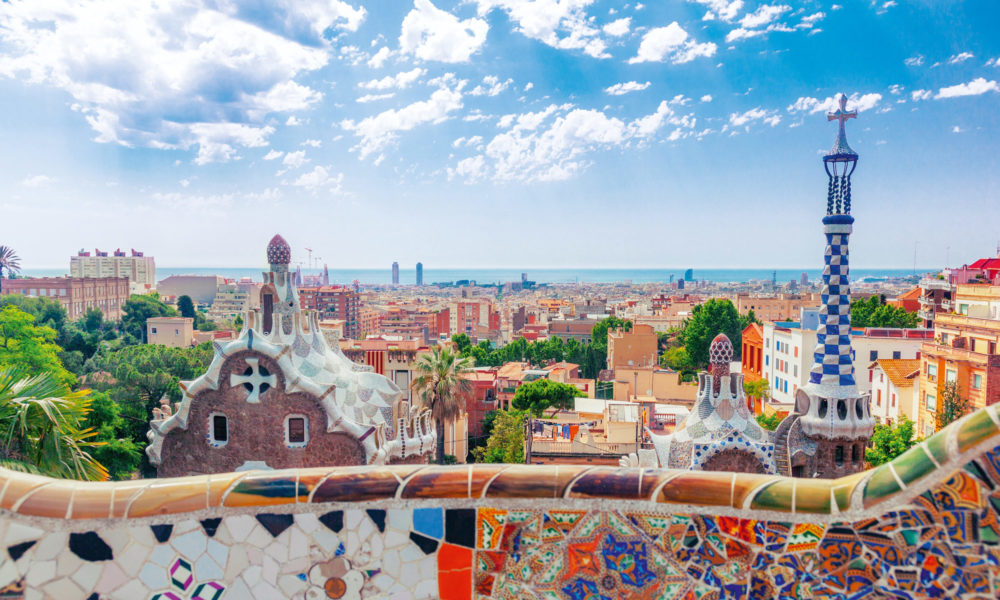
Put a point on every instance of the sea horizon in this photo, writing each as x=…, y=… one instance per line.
x=546, y=276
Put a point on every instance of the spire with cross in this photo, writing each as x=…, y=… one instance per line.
x=839, y=163
x=841, y=150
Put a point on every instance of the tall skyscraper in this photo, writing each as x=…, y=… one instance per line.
x=395, y=273
x=420, y=273
x=832, y=415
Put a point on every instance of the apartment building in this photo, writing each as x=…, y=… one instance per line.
x=634, y=348
x=138, y=268
x=335, y=302
x=76, y=294
x=780, y=307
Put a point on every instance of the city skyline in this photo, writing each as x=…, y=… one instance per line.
x=491, y=121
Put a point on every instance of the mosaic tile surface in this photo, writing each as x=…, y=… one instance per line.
x=926, y=525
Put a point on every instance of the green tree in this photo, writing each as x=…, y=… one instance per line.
x=10, y=263
x=185, y=306
x=599, y=333
x=47, y=311
x=462, y=343
x=42, y=427
x=137, y=309
x=758, y=388
x=952, y=405
x=238, y=323
x=441, y=388
x=707, y=320
x=889, y=441
x=769, y=422
x=93, y=319
x=27, y=346
x=120, y=454
x=506, y=441
x=874, y=312
x=542, y=394
x=678, y=360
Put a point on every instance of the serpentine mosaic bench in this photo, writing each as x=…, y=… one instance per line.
x=923, y=526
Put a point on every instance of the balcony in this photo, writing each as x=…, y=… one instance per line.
x=926, y=315
x=935, y=284
x=576, y=447
x=946, y=305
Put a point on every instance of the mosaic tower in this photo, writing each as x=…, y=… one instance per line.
x=827, y=432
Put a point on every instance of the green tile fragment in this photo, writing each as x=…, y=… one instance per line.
x=975, y=429
x=776, y=496
x=880, y=485
x=913, y=464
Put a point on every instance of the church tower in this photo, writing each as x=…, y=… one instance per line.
x=826, y=434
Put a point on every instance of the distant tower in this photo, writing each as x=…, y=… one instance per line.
x=395, y=273
x=524, y=278
x=298, y=276
x=829, y=413
x=804, y=279
x=774, y=278
x=420, y=273
x=689, y=275
x=326, y=275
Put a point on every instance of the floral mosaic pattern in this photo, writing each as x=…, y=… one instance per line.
x=926, y=525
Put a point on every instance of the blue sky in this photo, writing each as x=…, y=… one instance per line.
x=507, y=133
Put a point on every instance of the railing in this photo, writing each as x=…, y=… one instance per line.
x=578, y=447
x=935, y=284
x=927, y=315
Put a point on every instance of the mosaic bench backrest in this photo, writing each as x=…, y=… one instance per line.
x=922, y=526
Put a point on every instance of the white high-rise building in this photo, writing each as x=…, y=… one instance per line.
x=138, y=268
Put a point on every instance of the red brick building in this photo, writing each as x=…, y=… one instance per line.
x=76, y=294
x=335, y=302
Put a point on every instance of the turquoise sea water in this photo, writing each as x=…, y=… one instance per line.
x=490, y=276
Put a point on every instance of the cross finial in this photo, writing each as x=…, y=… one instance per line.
x=842, y=114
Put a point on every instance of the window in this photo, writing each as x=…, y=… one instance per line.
x=296, y=431
x=950, y=375
x=977, y=381
x=218, y=429
x=896, y=354
x=767, y=360
x=932, y=372
x=855, y=454
x=839, y=456
x=931, y=403
x=152, y=329
x=894, y=400
x=873, y=355
x=878, y=398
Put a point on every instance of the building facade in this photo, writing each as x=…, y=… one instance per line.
x=137, y=267
x=780, y=307
x=76, y=294
x=335, y=302
x=176, y=332
x=637, y=347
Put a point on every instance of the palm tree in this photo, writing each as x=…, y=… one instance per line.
x=9, y=261
x=41, y=427
x=442, y=389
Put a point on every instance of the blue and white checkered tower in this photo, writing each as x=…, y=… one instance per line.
x=833, y=409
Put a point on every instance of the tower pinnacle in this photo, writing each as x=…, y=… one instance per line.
x=839, y=163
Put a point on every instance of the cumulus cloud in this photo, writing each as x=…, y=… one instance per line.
x=375, y=97
x=491, y=86
x=921, y=95
x=706, y=98
x=378, y=59
x=273, y=154
x=960, y=57
x=312, y=143
x=620, y=89
x=561, y=24
x=174, y=75
x=763, y=15
x=389, y=82
x=975, y=87
x=914, y=61
x=292, y=121
x=618, y=28
x=723, y=9
x=378, y=131
x=855, y=101
x=552, y=144
x=993, y=62
x=319, y=178
x=294, y=160
x=769, y=117
x=670, y=43
x=37, y=181
x=430, y=33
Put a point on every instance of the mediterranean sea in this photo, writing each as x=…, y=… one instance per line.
x=552, y=276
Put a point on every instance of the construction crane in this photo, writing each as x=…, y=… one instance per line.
x=310, y=251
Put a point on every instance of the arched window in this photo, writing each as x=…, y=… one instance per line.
x=218, y=430
x=838, y=456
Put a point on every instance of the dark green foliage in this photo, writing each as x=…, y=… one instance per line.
x=543, y=394
x=874, y=312
x=185, y=306
x=952, y=405
x=769, y=422
x=137, y=309
x=889, y=441
x=717, y=315
x=119, y=454
x=506, y=441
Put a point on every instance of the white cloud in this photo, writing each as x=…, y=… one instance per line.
x=378, y=59
x=528, y=86
x=975, y=87
x=914, y=61
x=670, y=43
x=313, y=143
x=706, y=98
x=895, y=89
x=491, y=86
x=37, y=181
x=620, y=89
x=618, y=28
x=294, y=160
x=293, y=121
x=770, y=117
x=724, y=9
x=551, y=144
x=398, y=81
x=378, y=131
x=763, y=15
x=320, y=177
x=854, y=102
x=184, y=182
x=471, y=141
x=175, y=75
x=273, y=154
x=957, y=129
x=886, y=6
x=561, y=24
x=993, y=62
x=960, y=57
x=917, y=95
x=430, y=33
x=810, y=20
x=375, y=97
